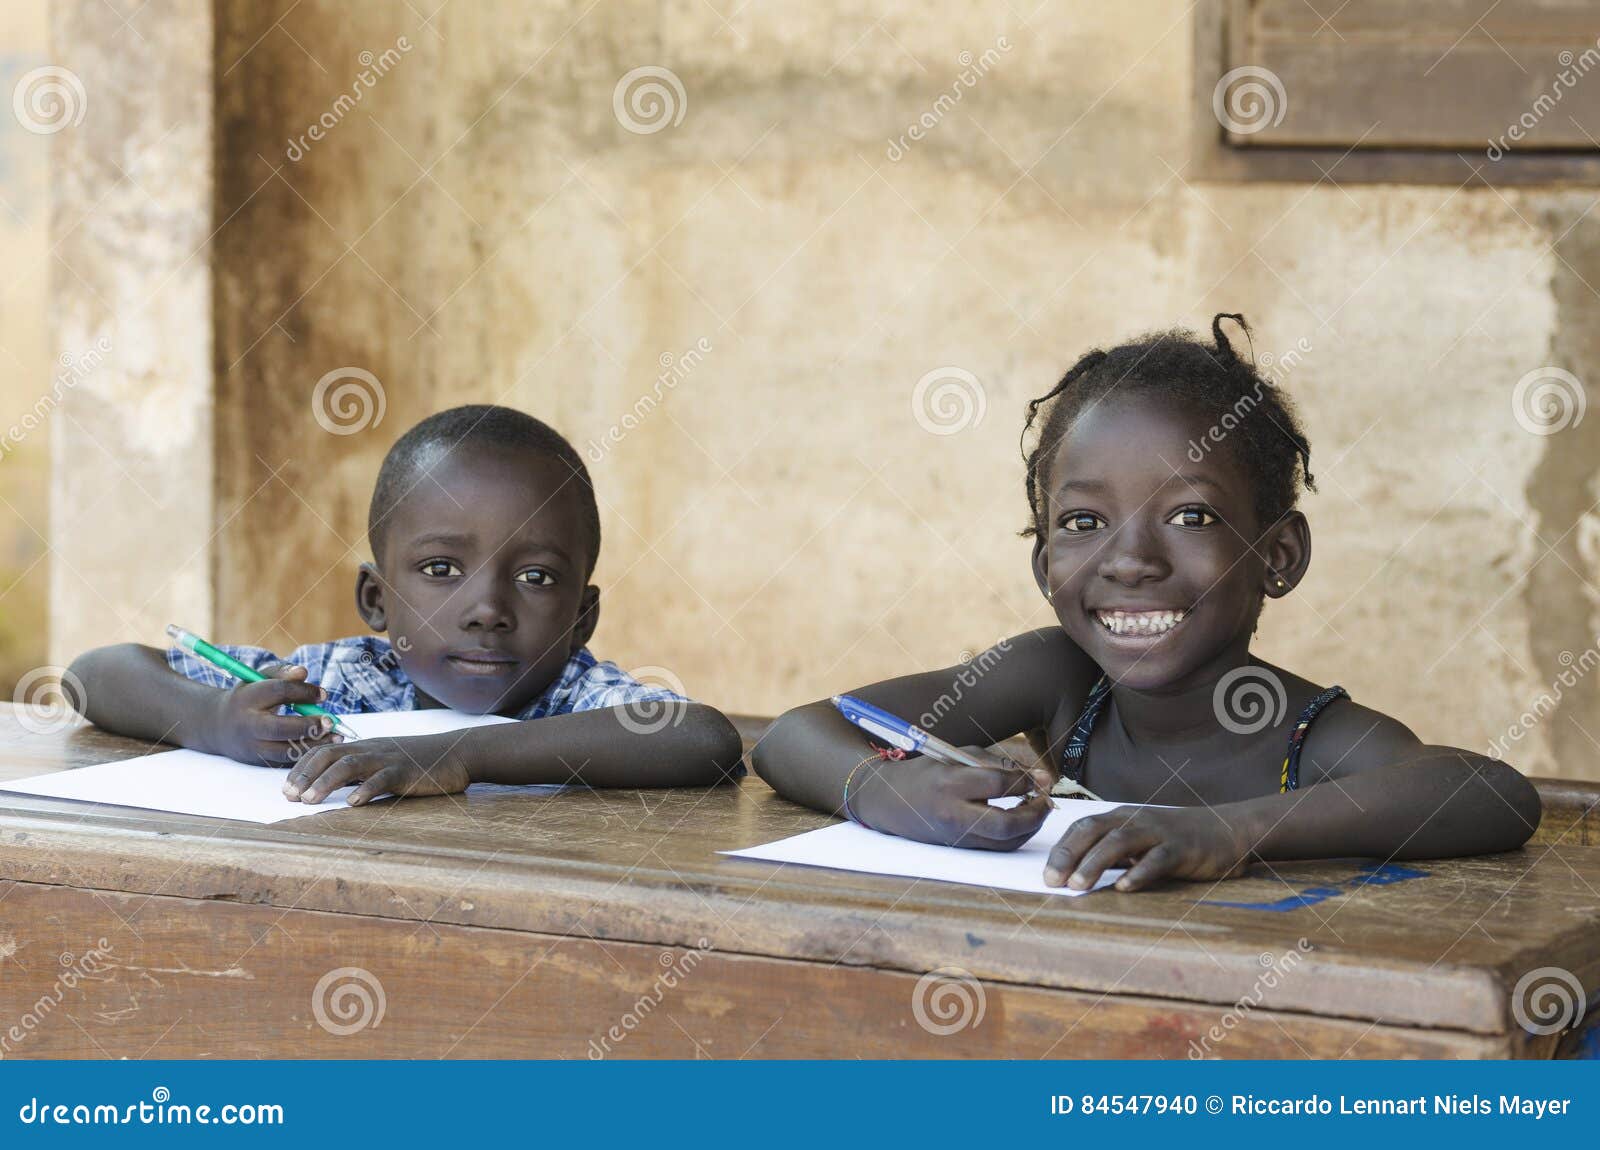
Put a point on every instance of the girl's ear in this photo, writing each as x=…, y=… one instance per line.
x=1041, y=566
x=1288, y=552
x=369, y=598
x=588, y=617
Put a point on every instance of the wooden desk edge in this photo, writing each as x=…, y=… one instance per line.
x=571, y=898
x=581, y=898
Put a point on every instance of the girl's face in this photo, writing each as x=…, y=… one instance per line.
x=1145, y=553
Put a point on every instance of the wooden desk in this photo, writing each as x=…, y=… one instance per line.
x=511, y=923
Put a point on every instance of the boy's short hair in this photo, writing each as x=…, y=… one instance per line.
x=475, y=425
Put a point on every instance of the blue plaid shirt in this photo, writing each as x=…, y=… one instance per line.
x=362, y=674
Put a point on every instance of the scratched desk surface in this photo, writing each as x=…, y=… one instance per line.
x=1435, y=944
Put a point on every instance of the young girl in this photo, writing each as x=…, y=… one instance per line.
x=1160, y=530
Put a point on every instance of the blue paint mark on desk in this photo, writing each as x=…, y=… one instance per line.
x=1588, y=1046
x=1375, y=875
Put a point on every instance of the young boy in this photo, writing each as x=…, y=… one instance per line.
x=484, y=531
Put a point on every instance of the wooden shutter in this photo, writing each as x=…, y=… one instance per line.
x=1467, y=81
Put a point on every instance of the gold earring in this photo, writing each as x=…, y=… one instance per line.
x=1281, y=584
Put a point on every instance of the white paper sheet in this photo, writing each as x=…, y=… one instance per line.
x=194, y=783
x=850, y=846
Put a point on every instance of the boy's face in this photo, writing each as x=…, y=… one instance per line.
x=482, y=580
x=1146, y=553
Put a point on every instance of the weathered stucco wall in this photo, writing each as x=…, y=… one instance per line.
x=482, y=226
x=25, y=355
x=132, y=519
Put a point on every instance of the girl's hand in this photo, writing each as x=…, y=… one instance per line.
x=934, y=802
x=246, y=727
x=418, y=765
x=1177, y=842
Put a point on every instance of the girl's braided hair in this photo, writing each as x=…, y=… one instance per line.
x=1264, y=433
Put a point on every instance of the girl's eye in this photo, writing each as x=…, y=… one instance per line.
x=440, y=568
x=537, y=576
x=1080, y=521
x=1193, y=517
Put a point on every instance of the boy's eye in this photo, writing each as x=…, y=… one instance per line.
x=439, y=568
x=1080, y=521
x=537, y=576
x=1193, y=517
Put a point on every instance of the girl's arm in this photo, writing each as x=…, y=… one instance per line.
x=1385, y=795
x=1015, y=686
x=677, y=745
x=1443, y=802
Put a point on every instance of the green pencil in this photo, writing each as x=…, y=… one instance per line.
x=221, y=659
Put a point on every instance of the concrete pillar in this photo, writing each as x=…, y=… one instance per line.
x=132, y=523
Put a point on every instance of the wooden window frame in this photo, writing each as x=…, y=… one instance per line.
x=1214, y=158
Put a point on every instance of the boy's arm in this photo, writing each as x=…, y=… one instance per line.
x=129, y=689
x=610, y=747
x=808, y=753
x=606, y=747
x=1377, y=792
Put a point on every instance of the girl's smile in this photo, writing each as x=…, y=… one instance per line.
x=1136, y=624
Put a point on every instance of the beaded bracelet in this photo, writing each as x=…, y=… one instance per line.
x=845, y=806
x=880, y=754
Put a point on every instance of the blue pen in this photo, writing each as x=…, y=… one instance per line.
x=910, y=738
x=895, y=731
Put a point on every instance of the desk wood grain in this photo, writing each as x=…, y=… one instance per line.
x=504, y=922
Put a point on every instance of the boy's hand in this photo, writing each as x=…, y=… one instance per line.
x=246, y=727
x=416, y=765
x=1180, y=842
x=934, y=802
